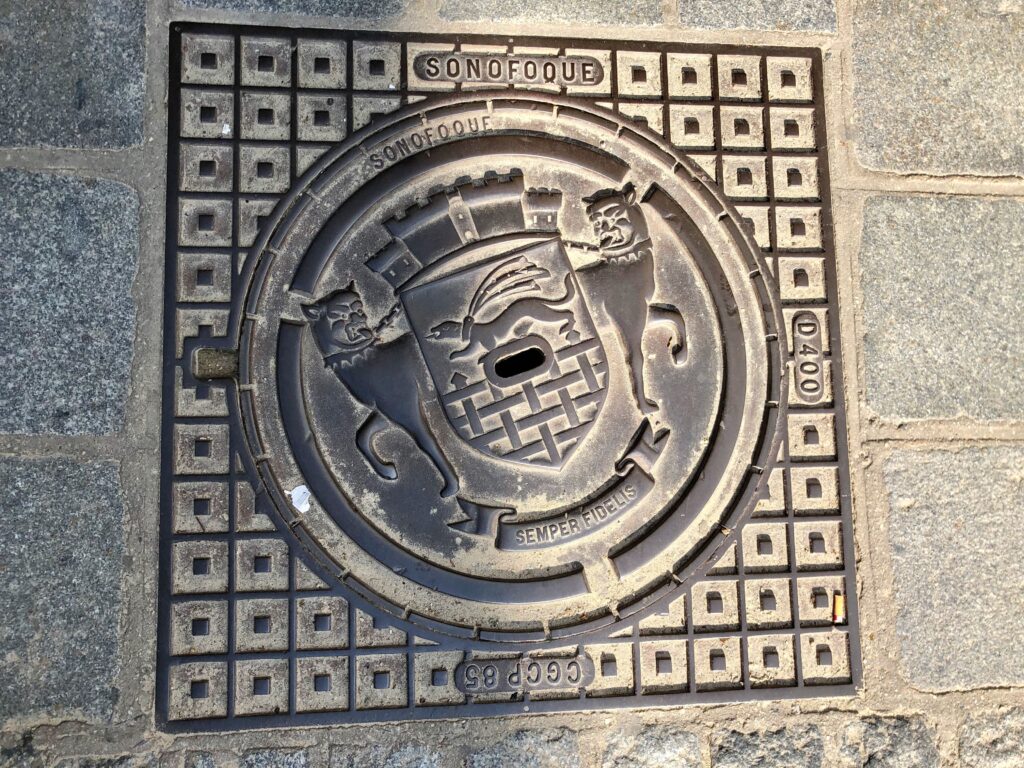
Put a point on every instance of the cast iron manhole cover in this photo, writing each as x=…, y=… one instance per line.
x=501, y=377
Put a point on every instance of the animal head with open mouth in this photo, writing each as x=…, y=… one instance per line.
x=618, y=222
x=339, y=322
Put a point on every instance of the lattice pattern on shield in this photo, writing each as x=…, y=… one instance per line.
x=539, y=423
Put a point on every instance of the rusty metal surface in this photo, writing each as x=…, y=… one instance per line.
x=530, y=411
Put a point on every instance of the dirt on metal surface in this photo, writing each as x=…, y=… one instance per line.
x=538, y=398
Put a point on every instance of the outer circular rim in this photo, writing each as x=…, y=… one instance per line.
x=739, y=257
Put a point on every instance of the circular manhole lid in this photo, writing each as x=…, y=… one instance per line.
x=507, y=362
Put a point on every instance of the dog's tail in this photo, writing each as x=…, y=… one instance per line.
x=569, y=295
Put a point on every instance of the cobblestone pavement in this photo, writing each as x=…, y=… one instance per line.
x=925, y=110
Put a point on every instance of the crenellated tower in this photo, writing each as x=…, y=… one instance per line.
x=468, y=211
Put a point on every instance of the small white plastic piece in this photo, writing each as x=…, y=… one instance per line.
x=300, y=498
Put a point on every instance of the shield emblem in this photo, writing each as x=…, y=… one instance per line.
x=514, y=353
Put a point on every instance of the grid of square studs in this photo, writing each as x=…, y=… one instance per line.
x=749, y=121
x=256, y=111
x=242, y=148
x=243, y=624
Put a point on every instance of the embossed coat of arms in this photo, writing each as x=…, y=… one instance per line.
x=511, y=363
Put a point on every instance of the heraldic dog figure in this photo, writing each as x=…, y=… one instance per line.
x=624, y=281
x=378, y=375
x=527, y=299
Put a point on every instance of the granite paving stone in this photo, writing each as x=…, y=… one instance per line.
x=640, y=12
x=380, y=756
x=654, y=747
x=804, y=15
x=942, y=279
x=993, y=739
x=72, y=73
x=139, y=760
x=795, y=747
x=18, y=750
x=956, y=539
x=370, y=9
x=60, y=595
x=938, y=87
x=888, y=742
x=69, y=249
x=275, y=758
x=551, y=748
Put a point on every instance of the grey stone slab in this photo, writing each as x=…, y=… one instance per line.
x=956, y=543
x=18, y=750
x=640, y=12
x=655, y=746
x=804, y=15
x=796, y=747
x=60, y=595
x=368, y=9
x=551, y=748
x=993, y=740
x=146, y=760
x=888, y=742
x=69, y=248
x=275, y=758
x=72, y=73
x=942, y=279
x=937, y=86
x=380, y=756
